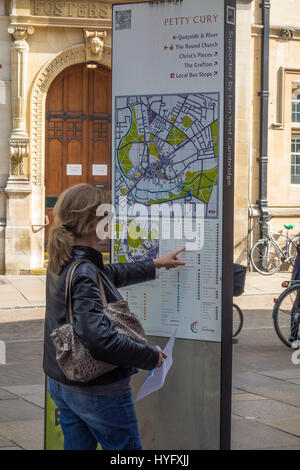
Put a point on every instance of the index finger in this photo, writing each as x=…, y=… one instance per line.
x=179, y=251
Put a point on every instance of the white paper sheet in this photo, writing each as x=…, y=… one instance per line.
x=74, y=169
x=100, y=170
x=156, y=377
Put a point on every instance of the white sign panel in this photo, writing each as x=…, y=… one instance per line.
x=167, y=114
x=74, y=169
x=100, y=170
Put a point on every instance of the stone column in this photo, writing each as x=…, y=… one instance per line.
x=18, y=230
x=19, y=140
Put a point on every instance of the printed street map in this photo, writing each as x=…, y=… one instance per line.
x=167, y=149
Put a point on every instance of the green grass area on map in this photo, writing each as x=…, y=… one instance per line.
x=153, y=234
x=176, y=136
x=134, y=242
x=126, y=143
x=154, y=150
x=191, y=183
x=208, y=180
x=124, y=159
x=115, y=248
x=122, y=259
x=186, y=121
x=118, y=229
x=214, y=133
x=158, y=201
x=135, y=235
x=197, y=183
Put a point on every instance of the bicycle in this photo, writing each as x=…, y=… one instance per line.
x=239, y=275
x=237, y=320
x=286, y=313
x=266, y=255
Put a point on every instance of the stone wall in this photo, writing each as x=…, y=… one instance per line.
x=5, y=118
x=284, y=68
x=243, y=124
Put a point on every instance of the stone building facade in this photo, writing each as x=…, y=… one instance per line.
x=41, y=40
x=282, y=127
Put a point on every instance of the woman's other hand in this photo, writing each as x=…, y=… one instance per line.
x=169, y=260
x=162, y=357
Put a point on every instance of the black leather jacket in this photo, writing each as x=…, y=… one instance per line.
x=95, y=330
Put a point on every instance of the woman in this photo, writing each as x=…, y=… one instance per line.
x=102, y=410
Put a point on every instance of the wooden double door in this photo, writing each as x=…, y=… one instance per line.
x=78, y=132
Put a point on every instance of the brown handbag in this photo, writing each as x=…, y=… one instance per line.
x=72, y=356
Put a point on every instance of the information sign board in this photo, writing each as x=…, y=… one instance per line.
x=168, y=147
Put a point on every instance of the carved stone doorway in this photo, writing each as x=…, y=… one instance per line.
x=77, y=132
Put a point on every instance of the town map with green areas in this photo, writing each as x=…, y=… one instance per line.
x=135, y=241
x=167, y=149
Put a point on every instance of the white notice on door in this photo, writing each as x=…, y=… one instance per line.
x=100, y=170
x=74, y=169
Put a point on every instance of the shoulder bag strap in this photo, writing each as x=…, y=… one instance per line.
x=103, y=296
x=68, y=287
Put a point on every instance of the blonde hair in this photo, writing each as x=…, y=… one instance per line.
x=74, y=216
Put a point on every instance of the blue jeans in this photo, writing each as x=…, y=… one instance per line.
x=88, y=419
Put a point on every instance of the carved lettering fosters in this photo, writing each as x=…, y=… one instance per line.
x=83, y=9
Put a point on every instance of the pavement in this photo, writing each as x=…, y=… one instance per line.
x=265, y=399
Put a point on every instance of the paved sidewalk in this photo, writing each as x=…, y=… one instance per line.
x=266, y=399
x=22, y=310
x=21, y=291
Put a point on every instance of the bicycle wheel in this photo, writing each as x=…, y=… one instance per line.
x=293, y=249
x=286, y=314
x=237, y=320
x=265, y=257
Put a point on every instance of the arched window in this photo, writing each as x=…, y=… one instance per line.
x=296, y=103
